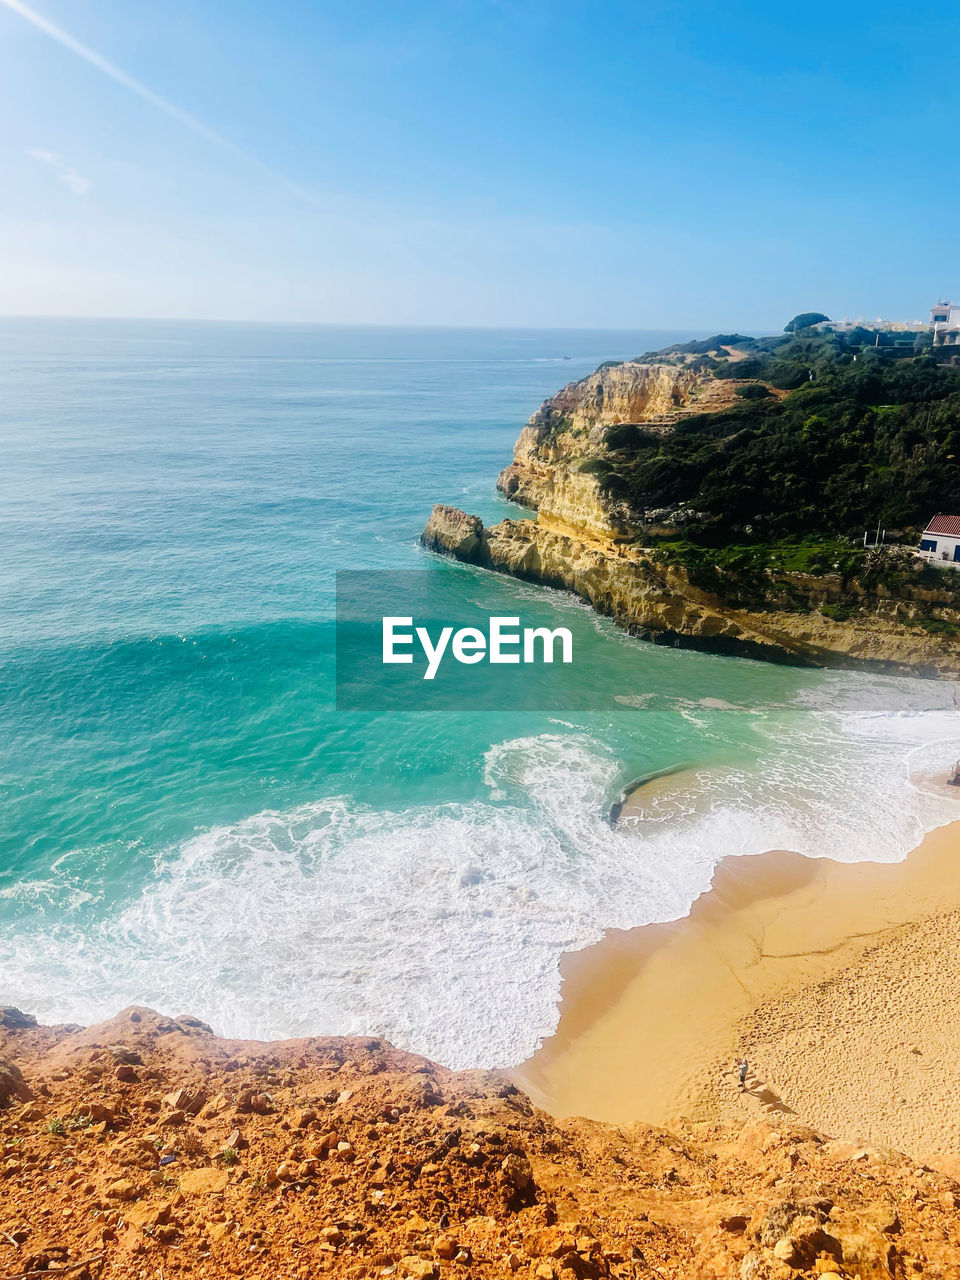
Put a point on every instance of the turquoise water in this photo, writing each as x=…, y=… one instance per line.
x=186, y=820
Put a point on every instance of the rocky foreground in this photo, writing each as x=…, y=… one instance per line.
x=147, y=1146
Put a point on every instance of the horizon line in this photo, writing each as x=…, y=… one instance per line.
x=707, y=330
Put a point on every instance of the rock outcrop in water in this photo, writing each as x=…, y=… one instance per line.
x=586, y=541
x=655, y=602
x=152, y=1148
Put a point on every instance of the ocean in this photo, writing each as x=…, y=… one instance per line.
x=187, y=822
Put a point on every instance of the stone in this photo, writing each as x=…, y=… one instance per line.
x=807, y=1240
x=214, y=1107
x=787, y=1250
x=518, y=1171
x=123, y=1054
x=865, y=1249
x=446, y=1246
x=776, y=1223
x=13, y=1087
x=287, y=1171
x=123, y=1189
x=549, y=1242
x=761, y=1264
x=147, y=1216
x=126, y=1074
x=207, y=1182
x=190, y=1102
x=453, y=532
x=417, y=1268
x=15, y=1019
x=187, y=1022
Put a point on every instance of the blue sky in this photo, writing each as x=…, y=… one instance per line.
x=488, y=162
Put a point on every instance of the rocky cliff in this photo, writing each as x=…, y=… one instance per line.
x=570, y=427
x=657, y=601
x=586, y=541
x=147, y=1148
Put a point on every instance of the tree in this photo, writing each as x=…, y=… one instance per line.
x=804, y=320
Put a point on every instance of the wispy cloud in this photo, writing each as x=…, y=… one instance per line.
x=77, y=183
x=102, y=64
x=184, y=118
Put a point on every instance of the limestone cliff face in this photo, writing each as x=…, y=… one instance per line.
x=570, y=427
x=659, y=603
x=587, y=542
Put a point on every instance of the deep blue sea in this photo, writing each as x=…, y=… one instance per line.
x=186, y=820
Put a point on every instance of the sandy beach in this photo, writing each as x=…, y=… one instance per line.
x=836, y=980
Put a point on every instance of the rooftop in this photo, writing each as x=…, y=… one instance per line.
x=949, y=525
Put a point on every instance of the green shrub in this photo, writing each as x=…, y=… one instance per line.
x=838, y=612
x=935, y=626
x=805, y=320
x=866, y=440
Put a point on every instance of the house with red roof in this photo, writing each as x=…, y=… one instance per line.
x=940, y=542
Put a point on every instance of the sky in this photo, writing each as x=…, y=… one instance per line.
x=651, y=164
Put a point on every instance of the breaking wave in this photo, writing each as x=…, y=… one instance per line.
x=441, y=927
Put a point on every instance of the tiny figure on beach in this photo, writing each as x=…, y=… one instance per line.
x=742, y=1073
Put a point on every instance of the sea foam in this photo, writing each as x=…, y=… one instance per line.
x=441, y=927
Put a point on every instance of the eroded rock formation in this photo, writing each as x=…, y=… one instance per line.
x=569, y=428
x=585, y=541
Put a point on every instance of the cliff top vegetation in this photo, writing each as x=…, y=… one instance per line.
x=845, y=431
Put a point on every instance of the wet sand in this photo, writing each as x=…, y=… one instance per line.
x=837, y=980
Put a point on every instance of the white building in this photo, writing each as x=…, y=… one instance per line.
x=945, y=321
x=940, y=543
